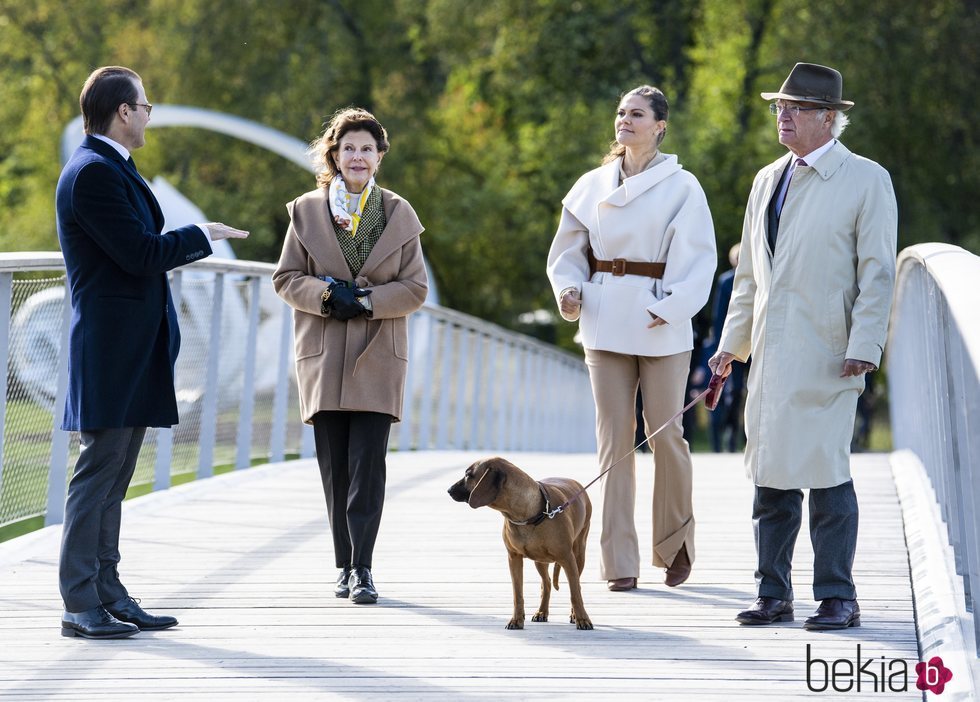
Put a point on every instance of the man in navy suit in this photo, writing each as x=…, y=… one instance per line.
x=123, y=342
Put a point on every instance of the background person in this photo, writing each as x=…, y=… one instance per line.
x=351, y=268
x=726, y=419
x=122, y=343
x=811, y=298
x=633, y=260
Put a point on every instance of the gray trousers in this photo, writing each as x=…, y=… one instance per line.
x=88, y=574
x=777, y=516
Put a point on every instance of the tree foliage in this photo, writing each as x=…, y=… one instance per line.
x=494, y=108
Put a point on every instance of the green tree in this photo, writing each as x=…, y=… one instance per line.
x=494, y=108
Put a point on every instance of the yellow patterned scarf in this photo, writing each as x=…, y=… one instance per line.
x=340, y=204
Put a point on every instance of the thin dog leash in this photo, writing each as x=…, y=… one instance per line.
x=714, y=387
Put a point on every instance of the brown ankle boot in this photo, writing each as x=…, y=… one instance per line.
x=679, y=570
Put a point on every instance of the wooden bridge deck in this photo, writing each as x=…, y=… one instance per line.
x=243, y=560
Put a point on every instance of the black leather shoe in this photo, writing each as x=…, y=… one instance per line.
x=834, y=613
x=767, y=610
x=128, y=610
x=362, y=586
x=621, y=584
x=95, y=623
x=342, y=589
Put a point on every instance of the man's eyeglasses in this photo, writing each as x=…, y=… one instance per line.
x=149, y=107
x=794, y=110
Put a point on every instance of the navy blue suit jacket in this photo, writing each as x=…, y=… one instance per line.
x=123, y=339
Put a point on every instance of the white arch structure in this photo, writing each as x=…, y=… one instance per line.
x=286, y=146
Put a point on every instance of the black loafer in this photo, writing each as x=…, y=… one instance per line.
x=834, y=613
x=362, y=586
x=621, y=584
x=95, y=623
x=342, y=589
x=128, y=610
x=767, y=610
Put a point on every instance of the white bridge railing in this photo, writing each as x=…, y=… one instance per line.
x=471, y=384
x=934, y=391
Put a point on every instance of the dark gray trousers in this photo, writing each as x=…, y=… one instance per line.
x=776, y=518
x=350, y=449
x=88, y=574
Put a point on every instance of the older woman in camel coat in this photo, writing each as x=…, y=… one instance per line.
x=351, y=268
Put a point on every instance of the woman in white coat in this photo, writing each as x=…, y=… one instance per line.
x=633, y=260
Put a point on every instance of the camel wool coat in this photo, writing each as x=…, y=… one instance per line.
x=824, y=297
x=359, y=365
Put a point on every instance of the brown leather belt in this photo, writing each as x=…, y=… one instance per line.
x=620, y=266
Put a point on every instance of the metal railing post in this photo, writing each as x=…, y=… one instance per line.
x=246, y=407
x=479, y=403
x=408, y=411
x=425, y=410
x=524, y=407
x=462, y=383
x=165, y=435
x=448, y=365
x=497, y=393
x=550, y=422
x=6, y=309
x=277, y=435
x=209, y=411
x=58, y=470
x=307, y=442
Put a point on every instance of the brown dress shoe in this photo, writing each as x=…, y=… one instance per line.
x=621, y=584
x=679, y=570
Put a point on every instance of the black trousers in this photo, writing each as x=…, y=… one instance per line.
x=777, y=516
x=350, y=450
x=88, y=574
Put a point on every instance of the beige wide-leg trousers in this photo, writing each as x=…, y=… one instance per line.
x=662, y=379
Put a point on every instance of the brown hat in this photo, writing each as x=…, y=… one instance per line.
x=809, y=82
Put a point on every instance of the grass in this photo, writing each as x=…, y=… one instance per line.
x=27, y=459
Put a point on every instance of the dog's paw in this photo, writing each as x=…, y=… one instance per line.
x=515, y=624
x=540, y=617
x=583, y=624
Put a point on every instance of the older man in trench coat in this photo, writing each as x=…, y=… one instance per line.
x=810, y=304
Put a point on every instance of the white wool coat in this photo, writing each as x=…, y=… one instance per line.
x=823, y=297
x=659, y=215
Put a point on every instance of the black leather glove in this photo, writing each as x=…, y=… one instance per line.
x=343, y=304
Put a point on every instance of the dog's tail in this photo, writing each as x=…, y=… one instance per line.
x=554, y=577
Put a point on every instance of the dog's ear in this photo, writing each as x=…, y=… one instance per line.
x=487, y=489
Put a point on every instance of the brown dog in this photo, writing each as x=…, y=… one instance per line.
x=528, y=533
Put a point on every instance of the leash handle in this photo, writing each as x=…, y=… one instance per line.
x=713, y=395
x=560, y=508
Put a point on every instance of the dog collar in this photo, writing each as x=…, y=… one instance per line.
x=537, y=519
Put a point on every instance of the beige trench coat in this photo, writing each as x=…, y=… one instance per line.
x=361, y=364
x=823, y=298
